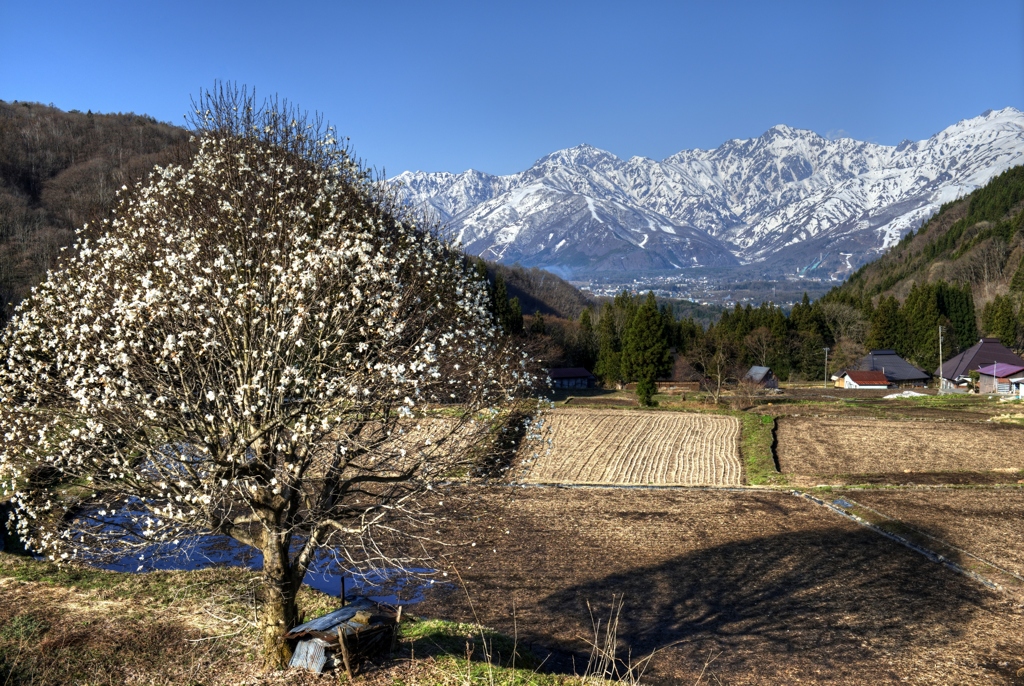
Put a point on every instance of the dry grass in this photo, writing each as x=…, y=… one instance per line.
x=639, y=448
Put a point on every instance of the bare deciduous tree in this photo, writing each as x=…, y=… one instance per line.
x=258, y=344
x=844, y=321
x=761, y=345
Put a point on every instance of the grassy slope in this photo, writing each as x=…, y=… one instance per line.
x=61, y=625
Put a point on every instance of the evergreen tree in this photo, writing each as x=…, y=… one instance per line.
x=1017, y=282
x=888, y=327
x=608, y=367
x=506, y=310
x=922, y=313
x=515, y=317
x=645, y=355
x=586, y=345
x=811, y=356
x=537, y=326
x=1000, y=320
x=958, y=306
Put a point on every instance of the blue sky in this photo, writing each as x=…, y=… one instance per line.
x=494, y=86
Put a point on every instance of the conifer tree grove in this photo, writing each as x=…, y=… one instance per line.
x=888, y=327
x=645, y=354
x=608, y=367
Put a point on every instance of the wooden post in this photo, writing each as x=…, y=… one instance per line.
x=394, y=634
x=344, y=652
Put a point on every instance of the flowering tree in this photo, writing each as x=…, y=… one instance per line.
x=257, y=344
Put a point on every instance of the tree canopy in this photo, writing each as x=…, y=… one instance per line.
x=260, y=344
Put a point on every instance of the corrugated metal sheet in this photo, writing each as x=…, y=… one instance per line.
x=311, y=654
x=330, y=622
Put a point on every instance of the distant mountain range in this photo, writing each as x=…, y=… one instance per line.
x=788, y=200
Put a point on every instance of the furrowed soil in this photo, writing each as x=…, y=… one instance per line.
x=768, y=587
x=591, y=446
x=851, y=450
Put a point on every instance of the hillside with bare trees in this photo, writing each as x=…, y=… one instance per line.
x=59, y=170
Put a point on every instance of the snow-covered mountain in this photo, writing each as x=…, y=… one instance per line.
x=788, y=199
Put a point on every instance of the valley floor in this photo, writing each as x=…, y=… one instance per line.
x=737, y=584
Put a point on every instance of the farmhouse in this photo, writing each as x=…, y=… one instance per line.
x=998, y=378
x=762, y=376
x=572, y=377
x=897, y=370
x=988, y=351
x=852, y=378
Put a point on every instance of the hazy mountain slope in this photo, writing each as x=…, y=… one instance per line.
x=780, y=199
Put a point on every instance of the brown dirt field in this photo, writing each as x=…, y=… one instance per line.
x=632, y=447
x=988, y=522
x=836, y=449
x=776, y=589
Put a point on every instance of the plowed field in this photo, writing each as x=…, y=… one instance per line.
x=981, y=521
x=775, y=589
x=835, y=446
x=629, y=447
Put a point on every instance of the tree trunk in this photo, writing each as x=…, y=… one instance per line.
x=278, y=612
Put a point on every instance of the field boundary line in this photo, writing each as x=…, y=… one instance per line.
x=907, y=543
x=939, y=540
x=646, y=487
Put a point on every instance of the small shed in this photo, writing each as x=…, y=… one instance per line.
x=852, y=378
x=367, y=628
x=572, y=377
x=998, y=378
x=762, y=376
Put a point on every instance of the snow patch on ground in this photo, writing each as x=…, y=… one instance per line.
x=905, y=394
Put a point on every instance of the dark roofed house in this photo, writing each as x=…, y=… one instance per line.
x=572, y=377
x=956, y=370
x=851, y=378
x=762, y=376
x=896, y=369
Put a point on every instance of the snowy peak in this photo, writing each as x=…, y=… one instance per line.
x=580, y=156
x=780, y=198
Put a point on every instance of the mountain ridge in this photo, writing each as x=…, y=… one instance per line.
x=778, y=199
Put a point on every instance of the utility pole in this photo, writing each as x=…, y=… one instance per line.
x=941, y=379
x=826, y=367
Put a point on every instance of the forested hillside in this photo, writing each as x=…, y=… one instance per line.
x=59, y=170
x=969, y=256
x=974, y=241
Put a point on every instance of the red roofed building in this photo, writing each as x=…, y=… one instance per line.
x=852, y=378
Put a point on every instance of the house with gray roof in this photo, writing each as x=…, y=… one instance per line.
x=897, y=370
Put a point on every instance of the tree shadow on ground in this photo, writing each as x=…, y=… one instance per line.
x=834, y=597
